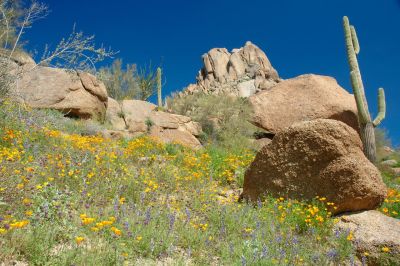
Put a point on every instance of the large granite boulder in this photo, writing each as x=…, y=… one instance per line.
x=130, y=118
x=375, y=236
x=322, y=158
x=303, y=98
x=75, y=94
x=240, y=72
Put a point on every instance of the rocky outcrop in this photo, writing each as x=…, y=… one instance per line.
x=374, y=235
x=316, y=158
x=303, y=98
x=131, y=118
x=241, y=72
x=20, y=58
x=75, y=94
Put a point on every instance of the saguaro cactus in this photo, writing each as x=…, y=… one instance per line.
x=159, y=85
x=366, y=123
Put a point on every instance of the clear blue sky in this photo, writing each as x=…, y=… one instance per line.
x=298, y=37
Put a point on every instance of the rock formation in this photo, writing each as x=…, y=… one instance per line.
x=322, y=158
x=131, y=118
x=75, y=94
x=303, y=98
x=372, y=231
x=241, y=72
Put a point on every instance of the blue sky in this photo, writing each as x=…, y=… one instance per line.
x=298, y=37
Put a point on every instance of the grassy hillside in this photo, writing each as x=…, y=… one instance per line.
x=68, y=198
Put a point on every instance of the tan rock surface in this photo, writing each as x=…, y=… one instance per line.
x=224, y=71
x=316, y=158
x=372, y=231
x=54, y=88
x=303, y=98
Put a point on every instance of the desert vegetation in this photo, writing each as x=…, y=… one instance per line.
x=105, y=177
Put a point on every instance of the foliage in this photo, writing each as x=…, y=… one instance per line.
x=147, y=81
x=73, y=199
x=129, y=82
x=224, y=119
x=77, y=52
x=120, y=83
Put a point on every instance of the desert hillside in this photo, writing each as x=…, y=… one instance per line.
x=100, y=166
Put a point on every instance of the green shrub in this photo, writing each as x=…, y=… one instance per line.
x=224, y=118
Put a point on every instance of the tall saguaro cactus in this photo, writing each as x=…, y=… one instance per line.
x=366, y=123
x=159, y=85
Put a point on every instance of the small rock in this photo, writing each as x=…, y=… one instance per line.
x=389, y=163
x=372, y=231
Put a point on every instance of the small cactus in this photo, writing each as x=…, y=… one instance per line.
x=159, y=87
x=366, y=123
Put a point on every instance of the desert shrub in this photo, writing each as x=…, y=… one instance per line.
x=224, y=118
x=147, y=82
x=128, y=82
x=120, y=83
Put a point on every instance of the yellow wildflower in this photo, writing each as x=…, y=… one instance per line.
x=79, y=239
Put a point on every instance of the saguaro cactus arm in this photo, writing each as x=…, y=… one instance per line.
x=354, y=39
x=381, y=107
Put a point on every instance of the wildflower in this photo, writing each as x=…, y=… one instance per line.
x=20, y=224
x=29, y=213
x=2, y=231
x=138, y=238
x=87, y=220
x=79, y=239
x=350, y=236
x=385, y=210
x=26, y=201
x=248, y=230
x=122, y=201
x=386, y=249
x=116, y=231
x=94, y=229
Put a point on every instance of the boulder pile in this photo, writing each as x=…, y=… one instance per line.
x=130, y=118
x=241, y=72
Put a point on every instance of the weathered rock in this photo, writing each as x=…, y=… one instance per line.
x=303, y=98
x=178, y=136
x=137, y=114
x=239, y=73
x=323, y=158
x=260, y=143
x=371, y=232
x=140, y=117
x=79, y=95
x=391, y=162
x=114, y=115
x=246, y=89
x=395, y=171
x=19, y=57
